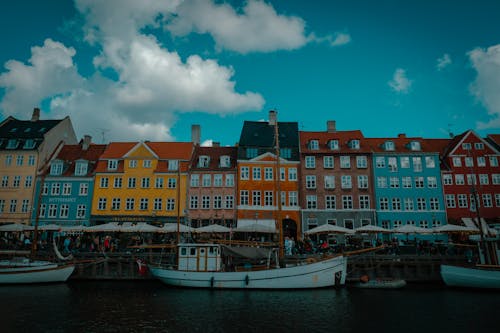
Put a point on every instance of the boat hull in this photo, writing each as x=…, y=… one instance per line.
x=456, y=276
x=325, y=273
x=45, y=273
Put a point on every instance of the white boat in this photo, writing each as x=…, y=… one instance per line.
x=24, y=270
x=481, y=276
x=211, y=266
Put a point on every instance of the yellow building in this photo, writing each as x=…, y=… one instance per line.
x=141, y=182
x=25, y=148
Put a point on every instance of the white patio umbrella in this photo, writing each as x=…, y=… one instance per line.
x=108, y=227
x=49, y=227
x=16, y=227
x=411, y=229
x=172, y=228
x=256, y=227
x=217, y=228
x=329, y=229
x=453, y=228
x=73, y=228
x=140, y=227
x=371, y=229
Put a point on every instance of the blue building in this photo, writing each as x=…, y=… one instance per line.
x=67, y=185
x=407, y=182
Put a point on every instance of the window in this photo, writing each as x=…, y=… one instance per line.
x=66, y=189
x=419, y=182
x=487, y=200
x=157, y=204
x=159, y=182
x=101, y=205
x=268, y=198
x=112, y=164
x=478, y=145
x=450, y=201
x=244, y=197
x=417, y=164
x=218, y=180
x=256, y=174
x=345, y=162
x=225, y=161
x=19, y=160
x=310, y=181
x=497, y=200
x=462, y=200
x=310, y=162
x=28, y=181
x=495, y=179
x=170, y=204
x=143, y=204
x=331, y=221
x=363, y=181
x=132, y=164
x=131, y=182
x=26, y=204
x=104, y=182
x=312, y=223
x=193, y=202
x=229, y=180
x=229, y=202
x=16, y=182
x=466, y=146
x=244, y=173
x=328, y=162
x=383, y=203
x=206, y=180
x=195, y=181
x=361, y=162
x=459, y=179
x=380, y=162
x=473, y=203
x=394, y=182
x=81, y=168
x=346, y=181
x=55, y=189
x=483, y=179
x=421, y=204
x=52, y=211
x=252, y=152
x=364, y=202
x=145, y=182
x=313, y=144
x=256, y=198
x=330, y=202
x=311, y=201
x=203, y=161
x=469, y=162
x=8, y=160
x=481, y=161
x=457, y=162
x=329, y=182
x=431, y=182
x=333, y=144
x=447, y=179
x=424, y=224
x=415, y=145
x=434, y=203
x=5, y=181
x=493, y=161
x=12, y=144
x=268, y=174
x=406, y=181
x=115, y=204
x=129, y=204
x=29, y=144
x=354, y=144
x=205, y=202
x=217, y=201
x=381, y=182
x=409, y=204
x=389, y=145
x=471, y=180
x=282, y=174
x=31, y=160
x=292, y=174
x=293, y=200
x=80, y=211
x=146, y=164
x=172, y=183
x=346, y=202
x=396, y=204
x=392, y=163
x=405, y=162
x=173, y=165
x=430, y=162
x=84, y=189
x=56, y=168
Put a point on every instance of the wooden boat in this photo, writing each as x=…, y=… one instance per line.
x=212, y=266
x=381, y=284
x=24, y=270
x=480, y=276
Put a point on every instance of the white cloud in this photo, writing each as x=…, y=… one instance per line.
x=256, y=27
x=400, y=83
x=443, y=62
x=486, y=86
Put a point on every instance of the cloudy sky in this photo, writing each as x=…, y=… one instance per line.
x=147, y=70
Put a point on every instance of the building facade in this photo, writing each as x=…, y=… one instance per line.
x=25, y=148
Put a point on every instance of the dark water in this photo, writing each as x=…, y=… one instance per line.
x=153, y=307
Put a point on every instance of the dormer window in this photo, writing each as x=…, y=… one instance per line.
x=225, y=161
x=314, y=144
x=389, y=146
x=12, y=144
x=81, y=168
x=354, y=144
x=203, y=161
x=252, y=152
x=56, y=168
x=173, y=165
x=29, y=144
x=285, y=153
x=333, y=144
x=112, y=164
x=415, y=145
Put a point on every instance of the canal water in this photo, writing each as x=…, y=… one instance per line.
x=148, y=306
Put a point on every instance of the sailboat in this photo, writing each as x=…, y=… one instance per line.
x=219, y=266
x=23, y=270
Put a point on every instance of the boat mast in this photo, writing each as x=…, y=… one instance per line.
x=278, y=189
x=178, y=202
x=34, y=245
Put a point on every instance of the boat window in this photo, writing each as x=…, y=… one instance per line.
x=183, y=251
x=202, y=251
x=211, y=250
x=192, y=251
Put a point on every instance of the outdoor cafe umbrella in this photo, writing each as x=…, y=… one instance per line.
x=49, y=227
x=256, y=227
x=172, y=227
x=410, y=229
x=108, y=227
x=213, y=228
x=329, y=229
x=140, y=227
x=16, y=227
x=453, y=228
x=371, y=229
x=72, y=228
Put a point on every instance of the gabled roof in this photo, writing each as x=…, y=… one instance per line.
x=468, y=136
x=494, y=140
x=343, y=137
x=117, y=150
x=22, y=130
x=214, y=153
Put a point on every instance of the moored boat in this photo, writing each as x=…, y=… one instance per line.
x=24, y=270
x=480, y=276
x=381, y=284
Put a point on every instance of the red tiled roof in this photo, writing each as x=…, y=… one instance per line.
x=495, y=138
x=116, y=150
x=215, y=153
x=172, y=150
x=71, y=153
x=324, y=137
x=401, y=144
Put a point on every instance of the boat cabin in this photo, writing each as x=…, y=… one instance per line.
x=199, y=257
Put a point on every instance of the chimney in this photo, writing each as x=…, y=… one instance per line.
x=330, y=126
x=196, y=134
x=401, y=135
x=215, y=144
x=87, y=139
x=272, y=117
x=36, y=114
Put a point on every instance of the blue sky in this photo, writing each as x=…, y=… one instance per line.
x=147, y=70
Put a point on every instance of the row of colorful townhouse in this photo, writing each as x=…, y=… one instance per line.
x=331, y=176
